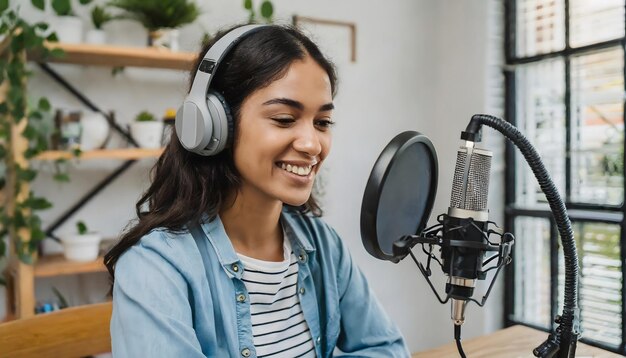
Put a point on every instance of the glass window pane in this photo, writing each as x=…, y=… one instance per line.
x=539, y=26
x=600, y=283
x=532, y=271
x=540, y=113
x=595, y=21
x=597, y=138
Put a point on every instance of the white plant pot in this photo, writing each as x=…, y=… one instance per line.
x=81, y=247
x=69, y=29
x=96, y=37
x=95, y=131
x=147, y=134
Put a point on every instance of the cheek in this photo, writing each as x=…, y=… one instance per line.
x=326, y=140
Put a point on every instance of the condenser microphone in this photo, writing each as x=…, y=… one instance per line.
x=466, y=226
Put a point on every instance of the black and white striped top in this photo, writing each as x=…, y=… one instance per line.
x=278, y=325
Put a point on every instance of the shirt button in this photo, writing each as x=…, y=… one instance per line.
x=302, y=290
x=317, y=341
x=245, y=352
x=235, y=267
x=241, y=297
x=302, y=257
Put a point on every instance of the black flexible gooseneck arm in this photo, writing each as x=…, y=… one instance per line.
x=561, y=342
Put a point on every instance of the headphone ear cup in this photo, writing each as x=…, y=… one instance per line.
x=226, y=120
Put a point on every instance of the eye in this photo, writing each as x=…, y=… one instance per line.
x=283, y=121
x=324, y=123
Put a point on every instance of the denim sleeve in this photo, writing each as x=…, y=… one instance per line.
x=366, y=330
x=152, y=316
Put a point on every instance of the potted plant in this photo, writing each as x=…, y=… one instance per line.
x=146, y=130
x=82, y=245
x=68, y=26
x=99, y=17
x=160, y=17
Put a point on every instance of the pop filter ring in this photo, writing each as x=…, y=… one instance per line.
x=376, y=182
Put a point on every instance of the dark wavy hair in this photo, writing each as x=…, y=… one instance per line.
x=186, y=186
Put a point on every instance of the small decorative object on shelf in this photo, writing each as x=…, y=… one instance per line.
x=146, y=130
x=67, y=130
x=161, y=18
x=96, y=130
x=82, y=245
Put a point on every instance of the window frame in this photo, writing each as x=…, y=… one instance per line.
x=577, y=211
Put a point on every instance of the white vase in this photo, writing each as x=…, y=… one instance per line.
x=69, y=29
x=95, y=130
x=147, y=134
x=81, y=247
x=96, y=37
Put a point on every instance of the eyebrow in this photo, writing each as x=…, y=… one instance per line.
x=297, y=105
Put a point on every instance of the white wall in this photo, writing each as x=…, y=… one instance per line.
x=421, y=65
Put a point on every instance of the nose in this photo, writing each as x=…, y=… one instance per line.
x=307, y=140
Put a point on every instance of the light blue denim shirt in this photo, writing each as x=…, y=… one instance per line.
x=181, y=295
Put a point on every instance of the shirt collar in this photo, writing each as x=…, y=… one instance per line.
x=215, y=232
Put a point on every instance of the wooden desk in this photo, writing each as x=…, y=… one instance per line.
x=512, y=342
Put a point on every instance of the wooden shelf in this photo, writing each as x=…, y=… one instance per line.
x=57, y=265
x=118, y=56
x=124, y=154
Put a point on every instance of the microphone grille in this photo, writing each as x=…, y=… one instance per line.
x=470, y=185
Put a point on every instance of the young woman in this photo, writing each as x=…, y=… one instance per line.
x=229, y=257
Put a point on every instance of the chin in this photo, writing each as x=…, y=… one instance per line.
x=295, y=201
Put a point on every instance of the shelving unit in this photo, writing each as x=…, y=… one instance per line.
x=21, y=280
x=57, y=265
x=121, y=154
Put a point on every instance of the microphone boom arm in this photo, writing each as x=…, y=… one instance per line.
x=562, y=340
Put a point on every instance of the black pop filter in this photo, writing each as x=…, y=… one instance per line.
x=399, y=194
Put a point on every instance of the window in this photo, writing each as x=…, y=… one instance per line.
x=565, y=91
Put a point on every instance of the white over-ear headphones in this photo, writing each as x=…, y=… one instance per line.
x=203, y=121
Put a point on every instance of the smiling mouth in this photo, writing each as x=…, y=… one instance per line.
x=302, y=171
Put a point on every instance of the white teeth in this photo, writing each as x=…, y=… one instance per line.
x=303, y=171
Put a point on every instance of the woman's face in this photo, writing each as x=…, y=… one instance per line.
x=284, y=134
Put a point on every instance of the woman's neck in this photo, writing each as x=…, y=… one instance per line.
x=253, y=226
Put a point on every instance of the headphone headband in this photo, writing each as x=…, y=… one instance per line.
x=202, y=125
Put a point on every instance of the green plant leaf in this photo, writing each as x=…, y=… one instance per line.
x=267, y=10
x=4, y=5
x=42, y=26
x=26, y=174
x=247, y=4
x=29, y=133
x=62, y=7
x=44, y=104
x=53, y=38
x=35, y=203
x=40, y=4
x=35, y=115
x=84, y=2
x=61, y=177
x=76, y=152
x=81, y=227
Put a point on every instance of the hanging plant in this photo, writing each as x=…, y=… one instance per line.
x=20, y=138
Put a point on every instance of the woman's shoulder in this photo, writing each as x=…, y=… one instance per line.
x=160, y=247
